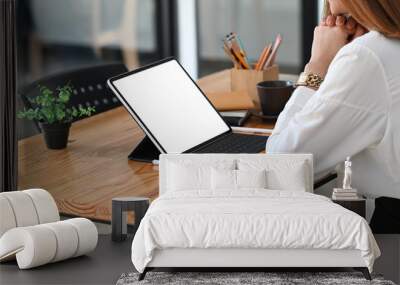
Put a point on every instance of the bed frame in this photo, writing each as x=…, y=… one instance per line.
x=242, y=259
x=250, y=259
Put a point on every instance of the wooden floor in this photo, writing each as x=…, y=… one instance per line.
x=93, y=169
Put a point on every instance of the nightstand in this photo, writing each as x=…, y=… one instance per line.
x=357, y=206
x=120, y=207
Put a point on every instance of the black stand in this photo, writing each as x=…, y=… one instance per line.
x=143, y=274
x=145, y=151
x=364, y=271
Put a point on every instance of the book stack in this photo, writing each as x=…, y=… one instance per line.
x=345, y=194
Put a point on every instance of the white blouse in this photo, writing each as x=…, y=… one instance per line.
x=356, y=112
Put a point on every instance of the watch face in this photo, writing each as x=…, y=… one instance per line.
x=314, y=80
x=310, y=80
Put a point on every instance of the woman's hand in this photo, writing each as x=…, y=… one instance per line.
x=329, y=37
x=327, y=42
x=355, y=29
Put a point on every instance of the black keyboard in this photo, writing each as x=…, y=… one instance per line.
x=236, y=143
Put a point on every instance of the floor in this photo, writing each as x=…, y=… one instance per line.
x=111, y=259
x=103, y=266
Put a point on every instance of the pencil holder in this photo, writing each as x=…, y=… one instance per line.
x=247, y=80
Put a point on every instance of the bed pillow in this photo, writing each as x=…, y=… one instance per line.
x=290, y=175
x=193, y=175
x=222, y=179
x=293, y=179
x=251, y=178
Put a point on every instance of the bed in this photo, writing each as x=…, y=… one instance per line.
x=247, y=211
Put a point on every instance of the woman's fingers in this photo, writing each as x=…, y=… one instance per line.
x=331, y=21
x=340, y=21
x=351, y=25
x=348, y=25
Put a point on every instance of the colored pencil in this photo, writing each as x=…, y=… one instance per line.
x=265, y=57
x=257, y=66
x=234, y=49
x=272, y=57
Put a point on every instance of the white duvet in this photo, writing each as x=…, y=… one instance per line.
x=250, y=219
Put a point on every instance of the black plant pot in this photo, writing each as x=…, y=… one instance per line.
x=55, y=135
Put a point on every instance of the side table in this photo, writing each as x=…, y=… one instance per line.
x=120, y=207
x=358, y=206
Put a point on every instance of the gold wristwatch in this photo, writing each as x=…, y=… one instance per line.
x=311, y=80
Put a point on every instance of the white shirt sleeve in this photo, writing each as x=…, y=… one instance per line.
x=345, y=116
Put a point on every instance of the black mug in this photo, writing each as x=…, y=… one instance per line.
x=274, y=96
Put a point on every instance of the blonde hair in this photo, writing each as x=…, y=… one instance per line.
x=379, y=15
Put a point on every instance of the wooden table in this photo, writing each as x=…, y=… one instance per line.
x=93, y=169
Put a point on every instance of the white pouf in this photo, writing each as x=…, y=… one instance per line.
x=31, y=232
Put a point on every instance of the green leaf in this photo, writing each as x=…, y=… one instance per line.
x=60, y=114
x=48, y=115
x=75, y=112
x=64, y=94
x=50, y=106
x=30, y=114
x=86, y=112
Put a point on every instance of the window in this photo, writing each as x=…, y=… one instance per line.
x=257, y=22
x=58, y=35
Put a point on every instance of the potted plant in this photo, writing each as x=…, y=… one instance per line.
x=50, y=109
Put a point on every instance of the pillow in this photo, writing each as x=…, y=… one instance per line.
x=251, y=178
x=292, y=178
x=193, y=175
x=237, y=179
x=286, y=174
x=223, y=179
x=183, y=178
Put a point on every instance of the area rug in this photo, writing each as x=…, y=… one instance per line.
x=236, y=278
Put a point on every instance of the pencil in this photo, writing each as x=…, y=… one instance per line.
x=265, y=57
x=260, y=58
x=236, y=58
x=227, y=52
x=272, y=57
x=238, y=52
x=241, y=46
x=239, y=59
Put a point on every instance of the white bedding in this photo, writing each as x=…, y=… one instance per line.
x=250, y=219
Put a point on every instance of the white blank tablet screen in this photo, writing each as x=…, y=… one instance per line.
x=171, y=107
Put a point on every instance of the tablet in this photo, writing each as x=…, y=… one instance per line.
x=169, y=106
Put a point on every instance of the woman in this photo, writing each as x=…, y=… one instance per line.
x=356, y=110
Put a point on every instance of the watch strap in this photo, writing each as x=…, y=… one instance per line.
x=311, y=80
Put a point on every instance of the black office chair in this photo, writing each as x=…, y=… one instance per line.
x=89, y=87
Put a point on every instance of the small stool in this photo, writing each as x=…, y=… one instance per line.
x=120, y=207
